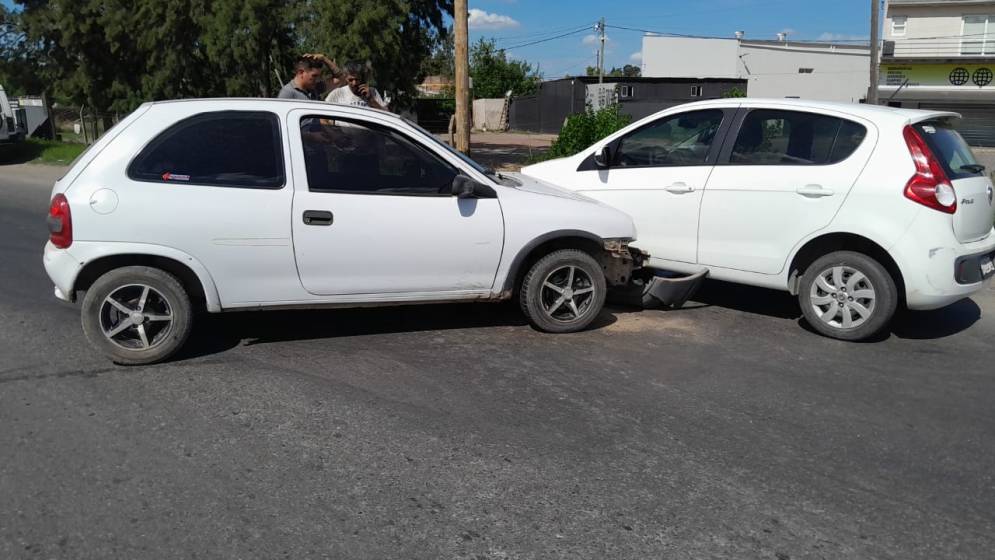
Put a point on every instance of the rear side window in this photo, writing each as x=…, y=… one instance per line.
x=773, y=137
x=952, y=151
x=224, y=148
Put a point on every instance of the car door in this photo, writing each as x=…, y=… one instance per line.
x=213, y=185
x=782, y=176
x=374, y=213
x=656, y=174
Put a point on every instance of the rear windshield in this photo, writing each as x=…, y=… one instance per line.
x=950, y=149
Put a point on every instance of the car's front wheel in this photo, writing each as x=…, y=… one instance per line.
x=848, y=296
x=137, y=315
x=563, y=291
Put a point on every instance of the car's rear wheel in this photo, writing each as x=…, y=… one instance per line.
x=563, y=291
x=848, y=296
x=137, y=315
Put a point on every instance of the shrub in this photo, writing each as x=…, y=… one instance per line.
x=583, y=129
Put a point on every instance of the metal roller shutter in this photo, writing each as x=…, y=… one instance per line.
x=978, y=123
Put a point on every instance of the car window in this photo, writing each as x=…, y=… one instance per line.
x=774, y=137
x=950, y=148
x=682, y=139
x=355, y=157
x=225, y=148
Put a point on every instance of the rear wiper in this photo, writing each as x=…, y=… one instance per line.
x=973, y=168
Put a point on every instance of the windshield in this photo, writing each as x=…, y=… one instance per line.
x=948, y=146
x=498, y=177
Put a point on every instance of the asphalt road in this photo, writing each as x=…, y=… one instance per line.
x=723, y=430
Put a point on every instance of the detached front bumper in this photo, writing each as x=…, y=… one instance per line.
x=63, y=269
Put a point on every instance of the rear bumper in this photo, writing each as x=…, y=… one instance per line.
x=63, y=269
x=936, y=266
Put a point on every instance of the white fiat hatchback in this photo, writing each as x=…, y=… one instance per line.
x=854, y=208
x=230, y=204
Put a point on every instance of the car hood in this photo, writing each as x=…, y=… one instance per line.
x=554, y=171
x=538, y=186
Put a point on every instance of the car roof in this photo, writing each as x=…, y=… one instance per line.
x=870, y=112
x=272, y=103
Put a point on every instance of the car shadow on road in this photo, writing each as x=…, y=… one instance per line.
x=748, y=299
x=216, y=333
x=917, y=325
x=20, y=152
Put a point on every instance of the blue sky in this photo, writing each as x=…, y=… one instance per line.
x=516, y=22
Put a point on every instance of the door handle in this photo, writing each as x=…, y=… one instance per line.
x=679, y=188
x=318, y=218
x=814, y=191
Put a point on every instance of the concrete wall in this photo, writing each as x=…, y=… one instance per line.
x=681, y=57
x=773, y=71
x=839, y=72
x=487, y=114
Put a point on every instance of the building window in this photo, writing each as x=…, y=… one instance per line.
x=975, y=39
x=695, y=91
x=625, y=92
x=805, y=70
x=898, y=24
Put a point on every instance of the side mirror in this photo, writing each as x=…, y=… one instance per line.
x=465, y=187
x=603, y=157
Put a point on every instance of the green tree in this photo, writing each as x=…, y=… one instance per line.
x=112, y=55
x=494, y=74
x=247, y=43
x=734, y=92
x=442, y=61
x=395, y=36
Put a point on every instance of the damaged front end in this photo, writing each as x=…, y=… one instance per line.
x=631, y=282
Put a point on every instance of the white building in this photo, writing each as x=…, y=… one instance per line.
x=941, y=55
x=822, y=71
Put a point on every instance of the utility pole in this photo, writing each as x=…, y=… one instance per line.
x=601, y=55
x=872, y=91
x=462, y=78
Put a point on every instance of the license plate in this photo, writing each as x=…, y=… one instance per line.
x=987, y=268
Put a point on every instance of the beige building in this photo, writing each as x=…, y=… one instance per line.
x=941, y=55
x=771, y=68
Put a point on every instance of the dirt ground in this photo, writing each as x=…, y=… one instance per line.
x=505, y=151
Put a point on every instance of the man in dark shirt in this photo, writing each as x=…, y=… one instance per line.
x=308, y=83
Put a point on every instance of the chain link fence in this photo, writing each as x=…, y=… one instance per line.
x=81, y=125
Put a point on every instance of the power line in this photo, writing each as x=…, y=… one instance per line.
x=581, y=30
x=539, y=34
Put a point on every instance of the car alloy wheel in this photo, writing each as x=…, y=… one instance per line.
x=136, y=317
x=843, y=297
x=567, y=293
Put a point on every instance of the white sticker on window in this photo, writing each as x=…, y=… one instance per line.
x=929, y=129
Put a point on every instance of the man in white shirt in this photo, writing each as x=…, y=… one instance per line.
x=357, y=91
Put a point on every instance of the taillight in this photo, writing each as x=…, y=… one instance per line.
x=60, y=222
x=930, y=185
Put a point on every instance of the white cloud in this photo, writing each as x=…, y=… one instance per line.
x=842, y=37
x=595, y=40
x=636, y=56
x=480, y=19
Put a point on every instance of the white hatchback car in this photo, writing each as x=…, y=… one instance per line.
x=231, y=204
x=854, y=208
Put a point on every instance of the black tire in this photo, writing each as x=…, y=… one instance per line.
x=555, y=267
x=868, y=315
x=166, y=298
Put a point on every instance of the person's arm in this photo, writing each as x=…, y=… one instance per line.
x=372, y=97
x=333, y=80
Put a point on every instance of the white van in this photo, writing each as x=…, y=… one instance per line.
x=12, y=126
